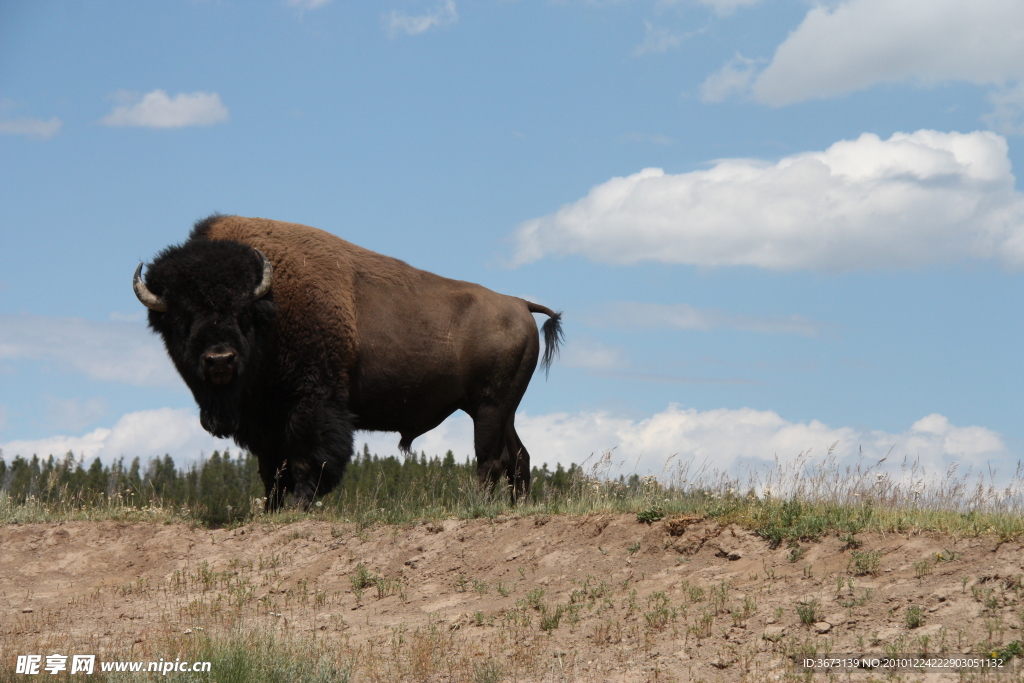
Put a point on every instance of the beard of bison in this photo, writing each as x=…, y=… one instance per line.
x=224, y=344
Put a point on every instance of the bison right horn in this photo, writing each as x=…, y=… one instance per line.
x=268, y=278
x=148, y=298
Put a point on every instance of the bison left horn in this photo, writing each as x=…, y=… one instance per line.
x=268, y=278
x=148, y=298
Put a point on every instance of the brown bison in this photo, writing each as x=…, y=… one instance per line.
x=290, y=338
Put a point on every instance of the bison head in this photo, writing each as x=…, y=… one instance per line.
x=212, y=304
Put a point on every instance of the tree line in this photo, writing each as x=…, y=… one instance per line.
x=225, y=487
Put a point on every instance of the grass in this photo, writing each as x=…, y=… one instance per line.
x=784, y=503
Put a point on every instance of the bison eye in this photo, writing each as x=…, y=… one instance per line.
x=182, y=319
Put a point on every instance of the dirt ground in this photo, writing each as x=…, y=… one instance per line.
x=597, y=598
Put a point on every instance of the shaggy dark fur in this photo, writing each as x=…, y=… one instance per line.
x=346, y=339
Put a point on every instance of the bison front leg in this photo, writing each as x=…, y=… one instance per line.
x=319, y=444
x=275, y=483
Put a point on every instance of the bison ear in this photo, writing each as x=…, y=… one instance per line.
x=268, y=278
x=148, y=298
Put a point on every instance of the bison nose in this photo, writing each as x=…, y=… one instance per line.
x=219, y=366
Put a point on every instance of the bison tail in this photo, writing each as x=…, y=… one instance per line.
x=553, y=335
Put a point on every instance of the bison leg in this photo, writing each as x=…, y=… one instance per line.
x=321, y=446
x=274, y=484
x=518, y=462
x=489, y=443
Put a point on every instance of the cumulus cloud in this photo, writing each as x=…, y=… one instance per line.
x=443, y=14
x=146, y=434
x=912, y=200
x=108, y=351
x=635, y=315
x=157, y=110
x=33, y=128
x=852, y=45
x=719, y=438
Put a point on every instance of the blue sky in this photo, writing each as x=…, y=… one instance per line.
x=772, y=226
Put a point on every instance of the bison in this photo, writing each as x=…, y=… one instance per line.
x=291, y=338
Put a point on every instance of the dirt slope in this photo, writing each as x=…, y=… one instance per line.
x=561, y=598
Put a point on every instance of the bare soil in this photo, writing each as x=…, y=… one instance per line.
x=681, y=600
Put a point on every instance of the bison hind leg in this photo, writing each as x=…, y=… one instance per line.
x=495, y=459
x=517, y=462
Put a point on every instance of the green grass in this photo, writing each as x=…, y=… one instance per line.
x=784, y=503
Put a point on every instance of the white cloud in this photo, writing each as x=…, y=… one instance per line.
x=726, y=7
x=108, y=351
x=146, y=434
x=72, y=414
x=718, y=438
x=1007, y=109
x=33, y=128
x=632, y=315
x=858, y=43
x=589, y=354
x=734, y=77
x=444, y=14
x=912, y=200
x=654, y=139
x=308, y=4
x=657, y=40
x=157, y=110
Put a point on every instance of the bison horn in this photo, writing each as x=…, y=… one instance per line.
x=148, y=298
x=268, y=278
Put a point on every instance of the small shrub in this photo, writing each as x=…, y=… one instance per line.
x=650, y=515
x=702, y=628
x=808, y=612
x=550, y=618
x=534, y=598
x=1011, y=650
x=915, y=618
x=796, y=552
x=488, y=672
x=660, y=612
x=850, y=542
x=864, y=563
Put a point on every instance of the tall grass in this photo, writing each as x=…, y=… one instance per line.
x=785, y=501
